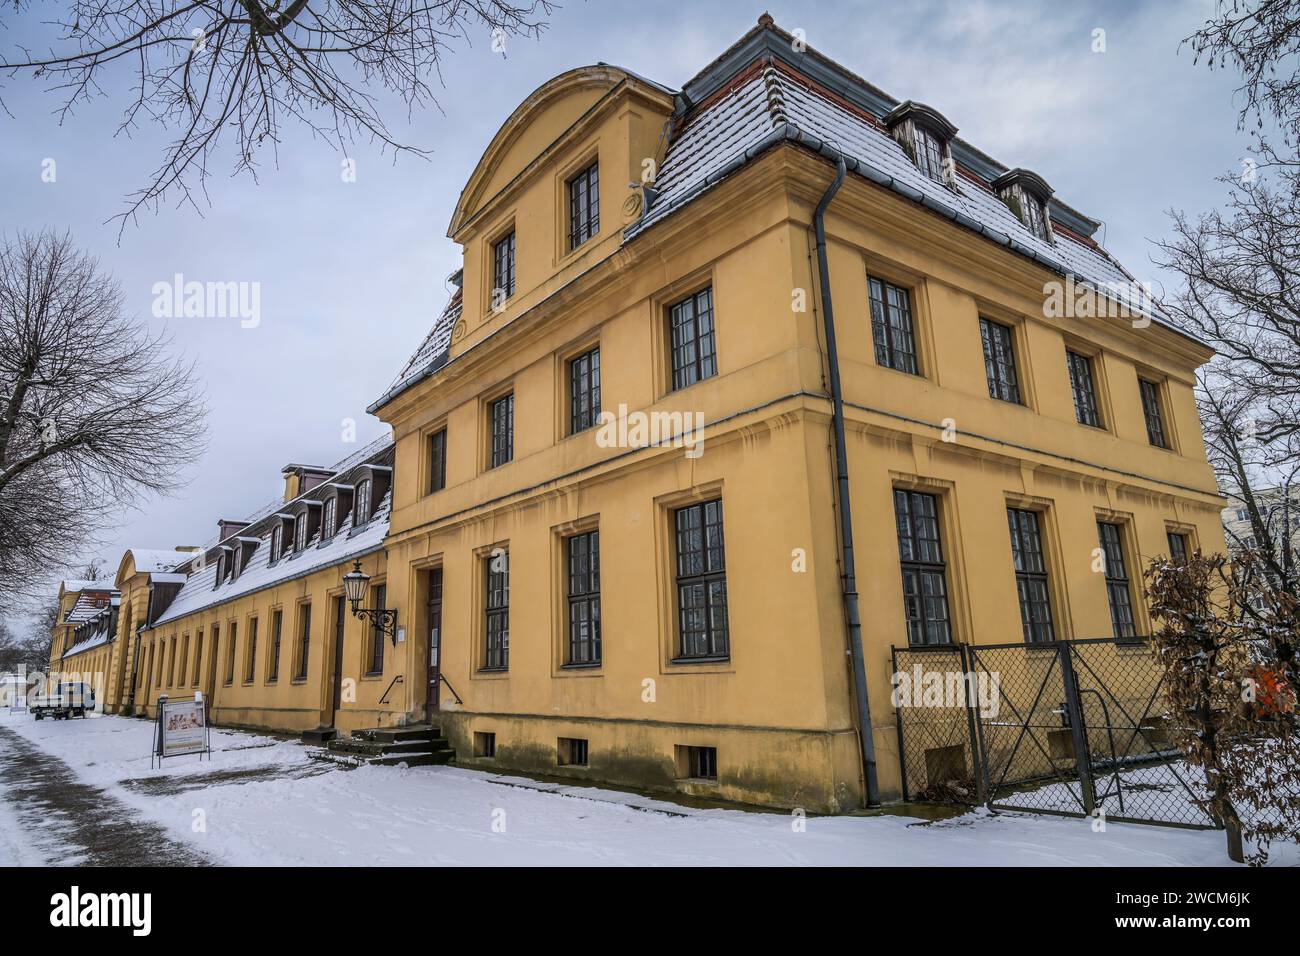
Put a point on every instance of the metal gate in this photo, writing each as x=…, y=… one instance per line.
x=1068, y=728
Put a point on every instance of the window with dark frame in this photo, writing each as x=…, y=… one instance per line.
x=1035, y=215
x=701, y=582
x=1031, y=576
x=300, y=532
x=496, y=646
x=377, y=633
x=584, y=391
x=584, y=205
x=198, y=659
x=228, y=677
x=304, y=641
x=1085, y=392
x=503, y=269
x=925, y=579
x=438, y=460
x=1178, y=549
x=361, y=508
x=929, y=154
x=702, y=763
x=584, y=598
x=1153, y=413
x=250, y=667
x=501, y=416
x=327, y=520
x=571, y=751
x=485, y=744
x=1000, y=361
x=1118, y=594
x=891, y=326
x=277, y=628
x=275, y=543
x=691, y=340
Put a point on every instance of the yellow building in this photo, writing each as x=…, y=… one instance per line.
x=640, y=497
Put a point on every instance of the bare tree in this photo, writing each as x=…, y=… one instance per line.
x=207, y=68
x=94, y=410
x=19, y=653
x=1260, y=39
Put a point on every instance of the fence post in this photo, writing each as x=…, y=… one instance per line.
x=976, y=757
x=1074, y=712
x=898, y=720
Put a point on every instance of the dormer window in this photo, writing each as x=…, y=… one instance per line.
x=327, y=519
x=300, y=532
x=361, y=510
x=1027, y=195
x=929, y=154
x=275, y=544
x=926, y=135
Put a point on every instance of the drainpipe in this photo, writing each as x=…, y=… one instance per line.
x=848, y=576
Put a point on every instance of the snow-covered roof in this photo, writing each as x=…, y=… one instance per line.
x=199, y=591
x=775, y=105
x=73, y=587
x=759, y=93
x=151, y=560
x=88, y=604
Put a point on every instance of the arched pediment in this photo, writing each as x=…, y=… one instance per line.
x=538, y=122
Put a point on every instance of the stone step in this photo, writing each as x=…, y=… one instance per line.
x=378, y=748
x=416, y=760
x=319, y=735
x=394, y=734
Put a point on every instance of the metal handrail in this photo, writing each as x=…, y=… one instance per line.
x=442, y=677
x=395, y=680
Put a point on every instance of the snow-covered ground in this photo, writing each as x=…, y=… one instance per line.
x=263, y=801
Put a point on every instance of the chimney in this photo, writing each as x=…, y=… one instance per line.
x=302, y=478
x=228, y=526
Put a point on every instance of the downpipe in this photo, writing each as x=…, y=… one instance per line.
x=848, y=574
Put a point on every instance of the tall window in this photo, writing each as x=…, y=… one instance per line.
x=1035, y=217
x=584, y=391
x=198, y=658
x=275, y=542
x=1152, y=412
x=327, y=519
x=228, y=677
x=503, y=269
x=361, y=510
x=250, y=663
x=1085, y=395
x=497, y=645
x=701, y=581
x=1031, y=576
x=277, y=636
x=584, y=205
x=300, y=532
x=502, y=418
x=929, y=154
x=1177, y=546
x=1000, y=361
x=304, y=640
x=377, y=634
x=691, y=339
x=1117, y=584
x=584, y=598
x=891, y=326
x=925, y=582
x=438, y=460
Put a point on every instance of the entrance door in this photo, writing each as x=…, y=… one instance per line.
x=435, y=644
x=336, y=692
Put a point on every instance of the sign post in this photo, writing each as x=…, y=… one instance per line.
x=182, y=728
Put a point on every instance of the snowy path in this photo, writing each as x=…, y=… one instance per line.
x=262, y=801
x=50, y=818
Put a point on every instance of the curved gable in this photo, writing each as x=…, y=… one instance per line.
x=535, y=125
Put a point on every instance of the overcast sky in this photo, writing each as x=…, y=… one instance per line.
x=352, y=274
